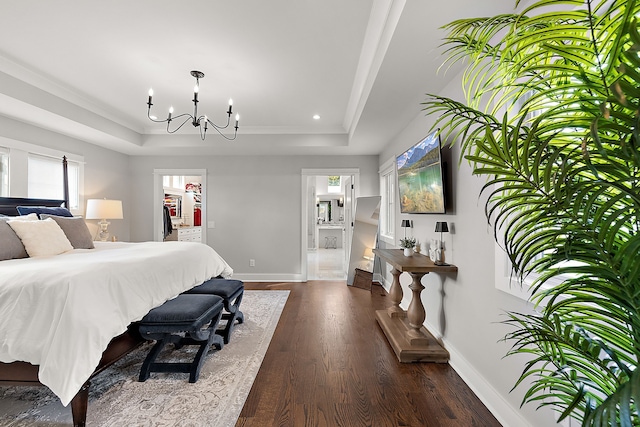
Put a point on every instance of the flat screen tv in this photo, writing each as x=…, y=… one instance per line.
x=420, y=180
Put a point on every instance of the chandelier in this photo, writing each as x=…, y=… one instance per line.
x=201, y=122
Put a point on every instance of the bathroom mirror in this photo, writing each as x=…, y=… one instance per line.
x=365, y=233
x=324, y=211
x=331, y=210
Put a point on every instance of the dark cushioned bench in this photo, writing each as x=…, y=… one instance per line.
x=184, y=320
x=231, y=291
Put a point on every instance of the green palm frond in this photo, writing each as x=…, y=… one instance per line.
x=551, y=118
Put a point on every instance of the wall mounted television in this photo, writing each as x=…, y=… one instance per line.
x=420, y=177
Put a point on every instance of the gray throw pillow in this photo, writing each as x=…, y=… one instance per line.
x=11, y=246
x=75, y=229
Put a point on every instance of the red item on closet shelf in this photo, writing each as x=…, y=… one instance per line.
x=197, y=217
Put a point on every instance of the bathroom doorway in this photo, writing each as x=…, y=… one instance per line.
x=327, y=223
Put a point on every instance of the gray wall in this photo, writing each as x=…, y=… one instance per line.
x=255, y=201
x=465, y=309
x=256, y=205
x=106, y=173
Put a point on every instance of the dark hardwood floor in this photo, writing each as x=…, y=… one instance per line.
x=329, y=364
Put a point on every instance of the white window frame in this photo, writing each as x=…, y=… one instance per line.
x=18, y=168
x=54, y=163
x=4, y=172
x=387, y=173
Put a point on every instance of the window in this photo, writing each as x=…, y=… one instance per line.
x=173, y=181
x=29, y=170
x=333, y=184
x=387, y=203
x=4, y=172
x=505, y=280
x=45, y=179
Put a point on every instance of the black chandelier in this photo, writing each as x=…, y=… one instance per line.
x=201, y=122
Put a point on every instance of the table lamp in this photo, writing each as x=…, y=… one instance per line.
x=405, y=224
x=441, y=227
x=368, y=255
x=104, y=209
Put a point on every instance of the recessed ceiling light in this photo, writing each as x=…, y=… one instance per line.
x=316, y=117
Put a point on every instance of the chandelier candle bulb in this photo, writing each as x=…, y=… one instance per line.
x=195, y=119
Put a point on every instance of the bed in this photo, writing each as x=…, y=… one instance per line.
x=65, y=318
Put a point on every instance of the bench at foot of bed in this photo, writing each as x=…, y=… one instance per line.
x=231, y=291
x=184, y=320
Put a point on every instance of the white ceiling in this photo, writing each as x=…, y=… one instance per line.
x=83, y=68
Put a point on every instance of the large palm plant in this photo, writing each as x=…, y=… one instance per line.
x=551, y=118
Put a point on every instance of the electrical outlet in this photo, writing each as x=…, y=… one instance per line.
x=252, y=263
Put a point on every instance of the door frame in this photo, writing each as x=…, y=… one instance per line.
x=306, y=175
x=158, y=199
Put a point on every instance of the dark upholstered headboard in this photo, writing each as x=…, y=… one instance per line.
x=8, y=205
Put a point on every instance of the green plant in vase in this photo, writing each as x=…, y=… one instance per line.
x=551, y=118
x=407, y=244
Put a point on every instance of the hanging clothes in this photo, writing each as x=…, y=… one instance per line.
x=168, y=226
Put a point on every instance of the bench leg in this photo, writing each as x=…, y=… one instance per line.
x=145, y=371
x=233, y=314
x=204, y=338
x=198, y=361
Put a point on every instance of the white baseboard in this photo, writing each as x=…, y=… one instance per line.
x=261, y=277
x=505, y=413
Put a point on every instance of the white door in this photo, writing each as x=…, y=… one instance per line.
x=311, y=217
x=348, y=216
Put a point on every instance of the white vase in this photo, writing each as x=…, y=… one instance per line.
x=408, y=251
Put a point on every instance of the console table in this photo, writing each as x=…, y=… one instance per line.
x=410, y=340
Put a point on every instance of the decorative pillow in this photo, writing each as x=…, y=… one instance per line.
x=75, y=229
x=41, y=238
x=29, y=217
x=59, y=211
x=11, y=246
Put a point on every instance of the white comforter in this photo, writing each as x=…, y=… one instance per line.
x=60, y=312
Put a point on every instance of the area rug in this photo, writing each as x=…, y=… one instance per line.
x=118, y=399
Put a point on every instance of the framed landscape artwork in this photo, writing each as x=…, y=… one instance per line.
x=420, y=180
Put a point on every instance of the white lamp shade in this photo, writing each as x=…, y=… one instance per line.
x=104, y=209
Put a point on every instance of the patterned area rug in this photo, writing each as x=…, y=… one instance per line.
x=118, y=399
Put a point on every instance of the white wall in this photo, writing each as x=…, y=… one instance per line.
x=465, y=308
x=255, y=202
x=107, y=173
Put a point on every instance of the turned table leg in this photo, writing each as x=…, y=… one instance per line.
x=416, y=313
x=395, y=292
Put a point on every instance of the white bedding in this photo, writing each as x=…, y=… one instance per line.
x=60, y=312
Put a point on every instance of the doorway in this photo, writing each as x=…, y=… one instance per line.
x=327, y=222
x=188, y=207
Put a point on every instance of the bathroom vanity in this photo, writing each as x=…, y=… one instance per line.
x=330, y=236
